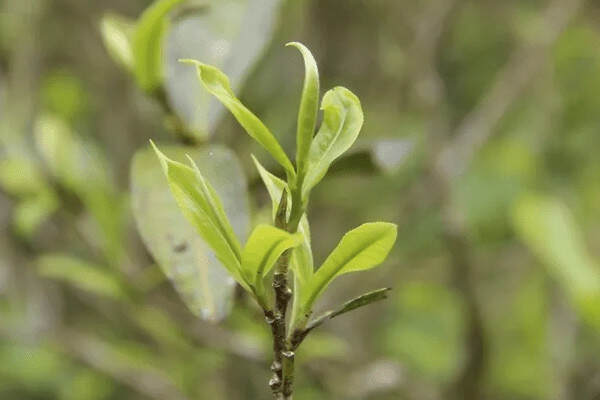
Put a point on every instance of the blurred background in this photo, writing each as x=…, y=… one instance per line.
x=481, y=138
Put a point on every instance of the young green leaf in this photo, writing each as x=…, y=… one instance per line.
x=342, y=121
x=301, y=263
x=302, y=257
x=217, y=83
x=117, y=33
x=148, y=42
x=203, y=208
x=309, y=107
x=275, y=187
x=360, y=301
x=201, y=280
x=360, y=249
x=265, y=245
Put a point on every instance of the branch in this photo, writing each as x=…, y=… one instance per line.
x=283, y=362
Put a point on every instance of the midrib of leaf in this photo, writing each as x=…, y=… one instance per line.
x=213, y=208
x=321, y=283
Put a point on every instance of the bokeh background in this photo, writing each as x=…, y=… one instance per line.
x=480, y=141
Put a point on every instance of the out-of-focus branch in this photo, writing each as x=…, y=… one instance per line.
x=521, y=69
x=428, y=87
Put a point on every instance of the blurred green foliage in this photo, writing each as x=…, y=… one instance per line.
x=86, y=314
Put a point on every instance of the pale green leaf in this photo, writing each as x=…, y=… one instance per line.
x=265, y=245
x=342, y=121
x=217, y=83
x=360, y=249
x=547, y=226
x=202, y=206
x=81, y=274
x=117, y=33
x=148, y=43
x=185, y=258
x=275, y=187
x=309, y=107
x=229, y=34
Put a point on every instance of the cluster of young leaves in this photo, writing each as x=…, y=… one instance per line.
x=250, y=265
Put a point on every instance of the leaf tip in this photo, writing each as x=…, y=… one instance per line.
x=189, y=61
x=301, y=47
x=164, y=160
x=294, y=44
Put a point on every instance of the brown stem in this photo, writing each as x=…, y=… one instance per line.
x=288, y=373
x=281, y=382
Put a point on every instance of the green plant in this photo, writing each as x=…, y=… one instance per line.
x=263, y=265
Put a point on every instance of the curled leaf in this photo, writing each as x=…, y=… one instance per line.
x=309, y=107
x=342, y=121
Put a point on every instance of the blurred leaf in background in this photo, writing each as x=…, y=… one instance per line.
x=548, y=227
x=204, y=284
x=427, y=330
